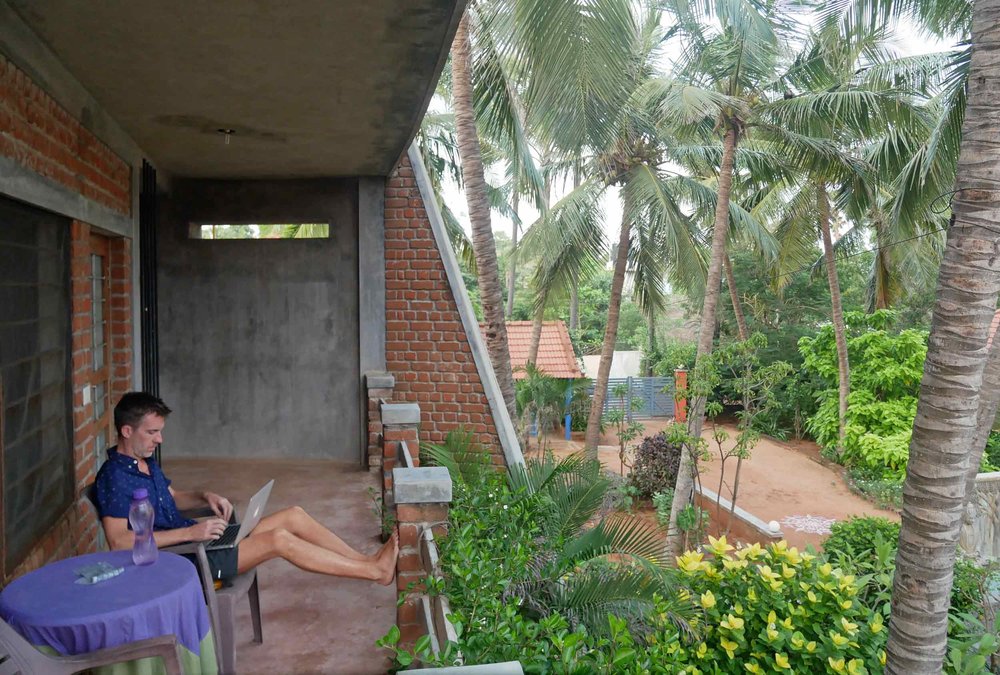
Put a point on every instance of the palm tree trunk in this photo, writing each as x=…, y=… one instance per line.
x=950, y=412
x=495, y=328
x=741, y=321
x=610, y=333
x=837, y=313
x=512, y=263
x=536, y=332
x=684, y=487
x=574, y=304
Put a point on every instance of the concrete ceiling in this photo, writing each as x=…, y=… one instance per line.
x=309, y=87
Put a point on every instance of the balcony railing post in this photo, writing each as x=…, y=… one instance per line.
x=379, y=386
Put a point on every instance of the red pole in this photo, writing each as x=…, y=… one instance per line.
x=680, y=403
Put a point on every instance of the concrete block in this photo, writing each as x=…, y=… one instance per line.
x=400, y=413
x=424, y=485
x=379, y=380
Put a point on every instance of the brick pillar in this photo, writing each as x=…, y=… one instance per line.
x=400, y=422
x=379, y=386
x=680, y=403
x=422, y=499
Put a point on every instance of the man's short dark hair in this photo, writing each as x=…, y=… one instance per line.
x=135, y=405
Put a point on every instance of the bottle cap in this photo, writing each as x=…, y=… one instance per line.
x=140, y=493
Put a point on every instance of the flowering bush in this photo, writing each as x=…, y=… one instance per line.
x=776, y=610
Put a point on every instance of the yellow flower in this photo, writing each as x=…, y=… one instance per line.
x=772, y=617
x=732, y=622
x=781, y=662
x=765, y=571
x=753, y=668
x=847, y=604
x=730, y=564
x=876, y=625
x=720, y=547
x=849, y=628
x=811, y=646
x=792, y=556
x=779, y=548
x=750, y=552
x=707, y=600
x=856, y=667
x=812, y=597
x=738, y=608
x=787, y=622
x=690, y=562
x=702, y=650
x=786, y=571
x=837, y=665
x=825, y=569
x=772, y=634
x=730, y=647
x=838, y=639
x=881, y=657
x=808, y=557
x=751, y=593
x=797, y=640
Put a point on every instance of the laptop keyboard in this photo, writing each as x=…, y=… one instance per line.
x=228, y=537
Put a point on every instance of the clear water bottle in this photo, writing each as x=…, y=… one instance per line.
x=141, y=517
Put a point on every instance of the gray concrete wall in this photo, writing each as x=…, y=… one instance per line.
x=259, y=353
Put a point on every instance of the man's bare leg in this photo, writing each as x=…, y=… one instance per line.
x=304, y=526
x=281, y=543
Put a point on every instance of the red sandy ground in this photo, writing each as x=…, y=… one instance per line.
x=780, y=479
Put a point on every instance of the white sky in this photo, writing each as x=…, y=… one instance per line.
x=908, y=40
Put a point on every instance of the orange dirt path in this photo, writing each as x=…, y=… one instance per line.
x=778, y=481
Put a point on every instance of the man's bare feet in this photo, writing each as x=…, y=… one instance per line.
x=386, y=560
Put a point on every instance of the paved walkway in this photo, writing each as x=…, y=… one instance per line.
x=311, y=623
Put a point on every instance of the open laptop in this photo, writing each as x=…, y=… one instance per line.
x=235, y=532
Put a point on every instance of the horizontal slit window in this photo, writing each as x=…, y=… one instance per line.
x=259, y=231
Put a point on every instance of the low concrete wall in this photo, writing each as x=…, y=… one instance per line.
x=744, y=526
x=981, y=520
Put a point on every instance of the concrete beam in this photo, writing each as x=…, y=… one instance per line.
x=371, y=273
x=32, y=188
x=423, y=485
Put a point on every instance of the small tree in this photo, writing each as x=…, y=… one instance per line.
x=626, y=429
x=736, y=370
x=541, y=400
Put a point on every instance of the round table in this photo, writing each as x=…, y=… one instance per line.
x=52, y=611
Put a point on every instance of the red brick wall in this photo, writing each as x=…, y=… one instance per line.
x=426, y=346
x=42, y=136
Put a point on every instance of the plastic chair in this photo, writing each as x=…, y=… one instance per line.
x=222, y=602
x=20, y=657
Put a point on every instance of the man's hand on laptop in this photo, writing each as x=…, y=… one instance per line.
x=222, y=506
x=207, y=530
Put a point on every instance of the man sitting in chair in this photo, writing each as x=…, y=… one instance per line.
x=290, y=534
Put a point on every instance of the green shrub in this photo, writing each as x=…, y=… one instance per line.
x=775, y=609
x=656, y=461
x=991, y=456
x=855, y=538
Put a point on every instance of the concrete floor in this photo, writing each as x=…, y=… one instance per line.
x=311, y=623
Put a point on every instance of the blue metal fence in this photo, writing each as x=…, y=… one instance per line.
x=656, y=394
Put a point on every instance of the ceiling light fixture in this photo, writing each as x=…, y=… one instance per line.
x=227, y=133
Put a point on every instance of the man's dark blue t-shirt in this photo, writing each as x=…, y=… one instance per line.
x=120, y=476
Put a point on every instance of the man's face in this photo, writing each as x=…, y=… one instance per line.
x=143, y=439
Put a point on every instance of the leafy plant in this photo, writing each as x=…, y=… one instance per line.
x=656, y=461
x=776, y=609
x=386, y=517
x=855, y=538
x=662, y=502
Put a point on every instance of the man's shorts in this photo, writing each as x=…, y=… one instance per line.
x=223, y=563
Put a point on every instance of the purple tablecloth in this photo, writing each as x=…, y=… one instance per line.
x=49, y=608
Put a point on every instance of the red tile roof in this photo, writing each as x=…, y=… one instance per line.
x=555, y=351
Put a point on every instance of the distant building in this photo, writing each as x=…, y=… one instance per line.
x=555, y=350
x=623, y=364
